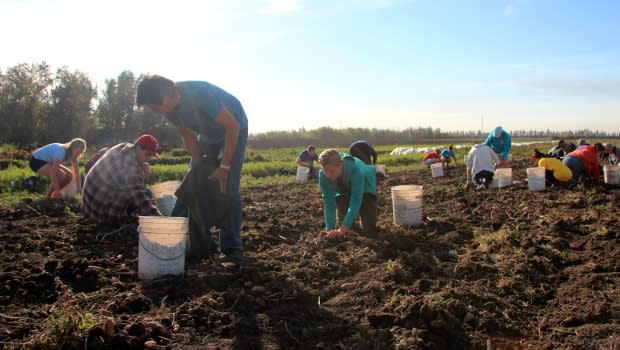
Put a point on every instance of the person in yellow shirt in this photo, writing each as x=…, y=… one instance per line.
x=555, y=170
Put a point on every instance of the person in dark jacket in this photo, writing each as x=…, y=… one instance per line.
x=559, y=150
x=363, y=151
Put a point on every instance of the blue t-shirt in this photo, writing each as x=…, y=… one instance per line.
x=200, y=104
x=305, y=157
x=501, y=145
x=446, y=153
x=51, y=152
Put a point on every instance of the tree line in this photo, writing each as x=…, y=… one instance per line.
x=39, y=106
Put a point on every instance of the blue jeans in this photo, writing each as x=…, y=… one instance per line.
x=576, y=166
x=230, y=233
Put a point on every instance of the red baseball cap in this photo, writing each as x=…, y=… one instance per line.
x=149, y=143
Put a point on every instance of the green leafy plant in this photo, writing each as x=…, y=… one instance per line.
x=66, y=322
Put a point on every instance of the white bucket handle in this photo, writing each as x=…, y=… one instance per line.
x=157, y=256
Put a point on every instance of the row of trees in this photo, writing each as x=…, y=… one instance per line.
x=38, y=106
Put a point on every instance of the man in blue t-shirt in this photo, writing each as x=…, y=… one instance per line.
x=447, y=154
x=211, y=123
x=307, y=158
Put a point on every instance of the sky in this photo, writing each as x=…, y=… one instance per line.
x=389, y=64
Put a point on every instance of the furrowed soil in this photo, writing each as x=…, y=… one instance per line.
x=495, y=269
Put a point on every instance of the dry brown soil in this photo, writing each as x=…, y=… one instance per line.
x=496, y=269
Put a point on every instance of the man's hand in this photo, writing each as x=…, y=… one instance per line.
x=503, y=163
x=221, y=175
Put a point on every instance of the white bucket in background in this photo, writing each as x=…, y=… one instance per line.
x=302, y=173
x=611, y=174
x=407, y=204
x=437, y=169
x=504, y=177
x=162, y=244
x=536, y=179
x=380, y=168
x=164, y=196
x=71, y=189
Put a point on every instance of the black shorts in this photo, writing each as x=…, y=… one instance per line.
x=36, y=164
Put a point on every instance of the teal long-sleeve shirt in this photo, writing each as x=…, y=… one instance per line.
x=501, y=145
x=358, y=178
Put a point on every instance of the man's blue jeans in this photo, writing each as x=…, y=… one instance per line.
x=576, y=166
x=230, y=233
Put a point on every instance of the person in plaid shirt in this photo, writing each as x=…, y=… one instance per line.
x=114, y=188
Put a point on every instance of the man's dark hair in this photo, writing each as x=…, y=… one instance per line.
x=152, y=89
x=311, y=148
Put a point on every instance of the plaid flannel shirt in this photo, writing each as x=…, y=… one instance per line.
x=115, y=186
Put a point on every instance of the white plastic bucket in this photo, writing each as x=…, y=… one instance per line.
x=162, y=245
x=437, y=169
x=164, y=196
x=611, y=174
x=302, y=173
x=536, y=179
x=71, y=189
x=504, y=177
x=380, y=169
x=407, y=204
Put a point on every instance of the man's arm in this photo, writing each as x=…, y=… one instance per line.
x=191, y=143
x=231, y=127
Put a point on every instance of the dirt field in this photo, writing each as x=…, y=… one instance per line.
x=497, y=269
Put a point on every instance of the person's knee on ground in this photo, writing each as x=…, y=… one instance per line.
x=342, y=206
x=368, y=214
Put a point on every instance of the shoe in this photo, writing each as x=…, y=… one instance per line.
x=232, y=255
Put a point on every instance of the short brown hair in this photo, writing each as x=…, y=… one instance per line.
x=152, y=89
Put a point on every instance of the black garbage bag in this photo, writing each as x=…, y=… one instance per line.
x=208, y=207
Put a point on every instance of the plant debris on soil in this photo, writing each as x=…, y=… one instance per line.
x=491, y=269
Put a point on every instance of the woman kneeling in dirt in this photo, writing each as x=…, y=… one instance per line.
x=47, y=161
x=348, y=187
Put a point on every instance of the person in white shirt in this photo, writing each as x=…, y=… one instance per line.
x=481, y=163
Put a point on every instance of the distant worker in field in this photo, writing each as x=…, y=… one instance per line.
x=612, y=154
x=559, y=150
x=349, y=188
x=600, y=151
x=481, y=164
x=212, y=123
x=48, y=161
x=501, y=143
x=447, y=155
x=114, y=189
x=583, y=161
x=431, y=157
x=581, y=143
x=363, y=150
x=555, y=171
x=307, y=158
